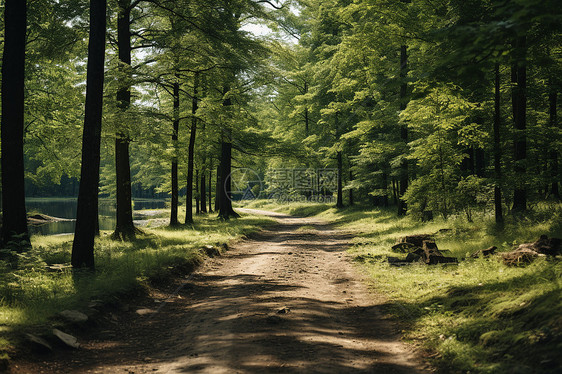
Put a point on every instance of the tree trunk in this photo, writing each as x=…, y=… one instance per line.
x=203, y=193
x=87, y=223
x=403, y=185
x=553, y=96
x=497, y=149
x=197, y=201
x=176, y=125
x=210, y=188
x=218, y=188
x=225, y=165
x=339, y=201
x=191, y=151
x=124, y=228
x=225, y=198
x=14, y=225
x=351, y=189
x=306, y=113
x=520, y=116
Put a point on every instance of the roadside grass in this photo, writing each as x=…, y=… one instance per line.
x=32, y=294
x=479, y=316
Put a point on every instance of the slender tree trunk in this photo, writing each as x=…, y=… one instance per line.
x=191, y=152
x=497, y=149
x=520, y=115
x=14, y=225
x=218, y=188
x=87, y=211
x=176, y=126
x=210, y=188
x=203, y=193
x=197, y=200
x=124, y=228
x=339, y=201
x=225, y=198
x=306, y=113
x=351, y=189
x=224, y=191
x=403, y=130
x=553, y=96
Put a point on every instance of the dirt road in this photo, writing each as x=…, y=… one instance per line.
x=286, y=301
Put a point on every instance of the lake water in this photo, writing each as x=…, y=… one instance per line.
x=66, y=208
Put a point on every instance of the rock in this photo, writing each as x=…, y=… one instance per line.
x=73, y=316
x=284, y=310
x=67, y=339
x=144, y=311
x=484, y=252
x=39, y=343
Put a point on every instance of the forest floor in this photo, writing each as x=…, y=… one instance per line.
x=286, y=300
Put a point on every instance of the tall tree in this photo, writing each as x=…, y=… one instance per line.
x=175, y=131
x=124, y=227
x=497, y=147
x=519, y=77
x=14, y=225
x=87, y=210
x=191, y=151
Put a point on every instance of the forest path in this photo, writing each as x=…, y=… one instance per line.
x=288, y=300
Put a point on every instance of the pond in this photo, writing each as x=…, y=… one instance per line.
x=66, y=208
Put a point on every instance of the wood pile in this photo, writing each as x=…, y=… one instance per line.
x=528, y=252
x=420, y=248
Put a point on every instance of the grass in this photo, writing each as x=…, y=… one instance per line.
x=479, y=316
x=32, y=294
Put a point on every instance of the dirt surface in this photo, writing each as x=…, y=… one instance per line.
x=285, y=301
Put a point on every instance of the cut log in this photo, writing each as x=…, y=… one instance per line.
x=416, y=240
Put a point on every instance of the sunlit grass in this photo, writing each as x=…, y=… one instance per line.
x=32, y=294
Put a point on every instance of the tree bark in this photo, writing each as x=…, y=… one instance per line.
x=403, y=183
x=124, y=228
x=520, y=116
x=497, y=148
x=87, y=223
x=306, y=113
x=210, y=188
x=553, y=96
x=339, y=201
x=218, y=188
x=197, y=196
x=14, y=224
x=176, y=125
x=191, y=151
x=225, y=166
x=203, y=193
x=351, y=189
